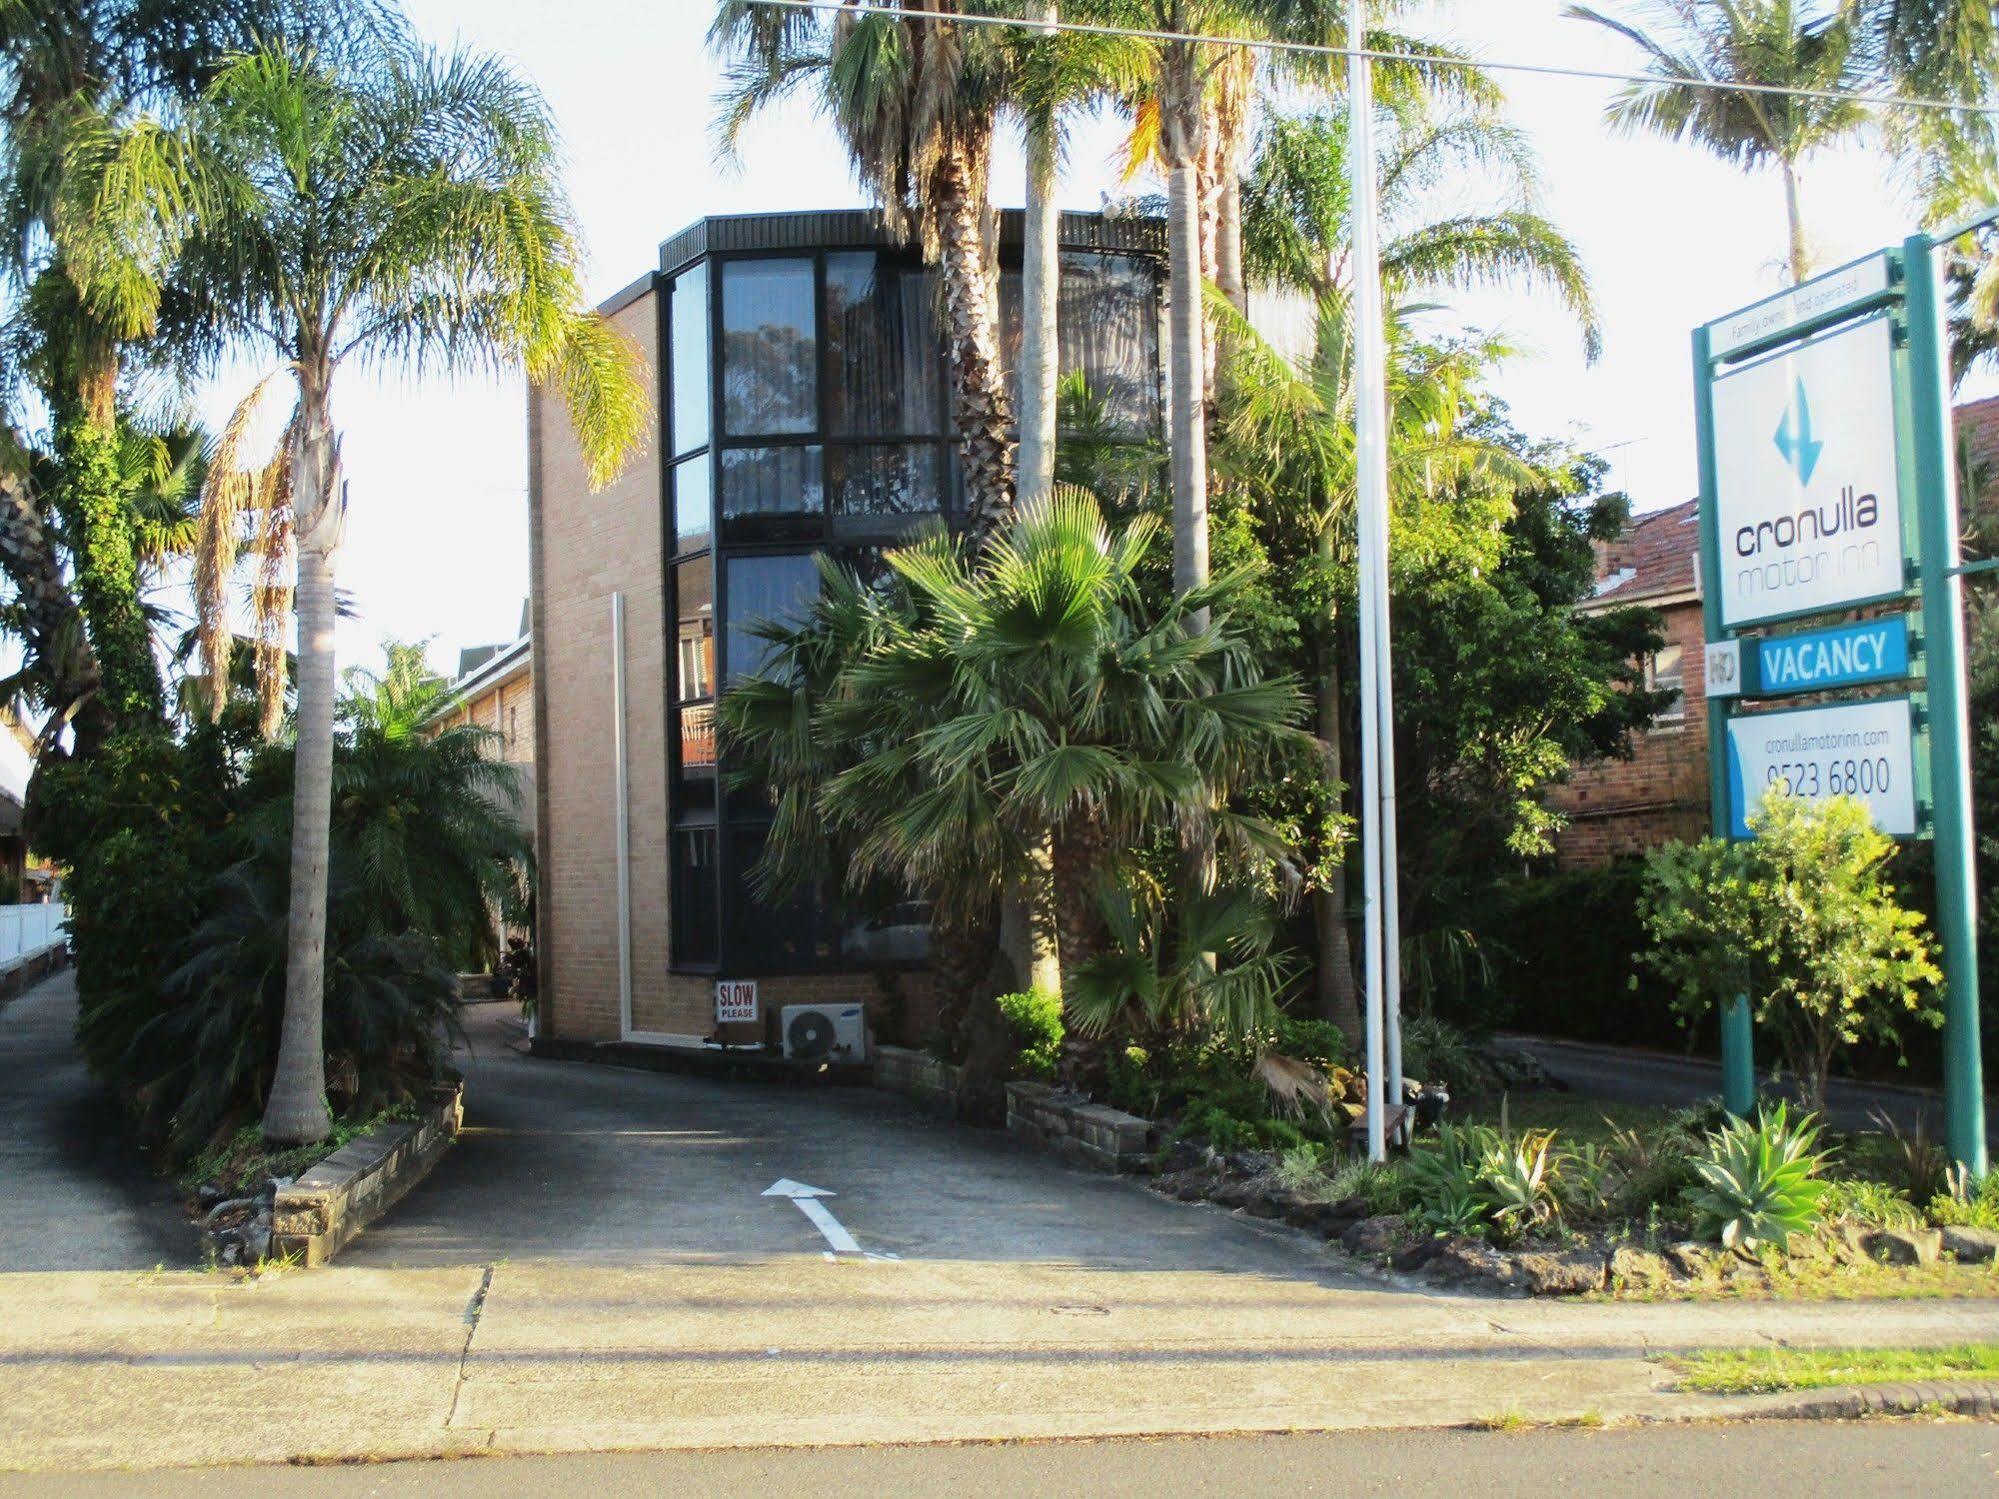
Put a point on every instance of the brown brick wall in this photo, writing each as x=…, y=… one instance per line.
x=507, y=708
x=1661, y=792
x=589, y=547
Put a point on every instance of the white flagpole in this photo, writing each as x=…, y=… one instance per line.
x=1371, y=498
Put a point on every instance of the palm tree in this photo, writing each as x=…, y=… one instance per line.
x=76, y=83
x=1296, y=211
x=393, y=204
x=915, y=98
x=1795, y=44
x=1039, y=687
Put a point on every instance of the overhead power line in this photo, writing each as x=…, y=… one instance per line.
x=1423, y=59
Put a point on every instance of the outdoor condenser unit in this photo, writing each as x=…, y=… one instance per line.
x=825, y=1033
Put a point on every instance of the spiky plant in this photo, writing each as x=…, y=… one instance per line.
x=1758, y=1182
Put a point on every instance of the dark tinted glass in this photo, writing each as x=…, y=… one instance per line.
x=883, y=345
x=773, y=494
x=694, y=886
x=787, y=931
x=688, y=317
x=764, y=588
x=693, y=505
x=770, y=370
x=694, y=634
x=884, y=487
x=1108, y=330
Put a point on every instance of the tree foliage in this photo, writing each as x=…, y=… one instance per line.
x=1802, y=919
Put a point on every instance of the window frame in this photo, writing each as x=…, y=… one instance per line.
x=1674, y=715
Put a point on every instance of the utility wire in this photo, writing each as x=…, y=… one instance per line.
x=1423, y=59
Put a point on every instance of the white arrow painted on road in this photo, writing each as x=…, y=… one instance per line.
x=807, y=1201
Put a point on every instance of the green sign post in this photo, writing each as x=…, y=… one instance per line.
x=1828, y=483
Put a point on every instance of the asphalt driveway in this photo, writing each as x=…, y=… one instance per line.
x=614, y=1166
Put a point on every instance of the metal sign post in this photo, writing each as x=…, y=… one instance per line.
x=1828, y=485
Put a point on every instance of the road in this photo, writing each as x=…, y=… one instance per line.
x=1786, y=1457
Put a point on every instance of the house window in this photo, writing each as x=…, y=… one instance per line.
x=689, y=314
x=770, y=354
x=1665, y=671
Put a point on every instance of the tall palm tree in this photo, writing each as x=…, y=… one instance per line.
x=77, y=80
x=916, y=99
x=1800, y=44
x=1297, y=211
x=394, y=204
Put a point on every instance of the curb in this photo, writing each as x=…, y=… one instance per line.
x=1959, y=1397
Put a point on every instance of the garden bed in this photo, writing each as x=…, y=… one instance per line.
x=302, y=1206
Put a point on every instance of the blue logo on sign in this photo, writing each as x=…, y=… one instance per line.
x=1794, y=437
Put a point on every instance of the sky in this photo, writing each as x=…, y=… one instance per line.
x=437, y=539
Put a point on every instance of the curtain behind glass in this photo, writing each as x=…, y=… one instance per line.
x=883, y=346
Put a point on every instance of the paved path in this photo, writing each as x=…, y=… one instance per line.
x=1891, y=1459
x=73, y=1195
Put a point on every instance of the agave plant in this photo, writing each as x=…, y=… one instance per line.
x=1758, y=1183
x=1516, y=1181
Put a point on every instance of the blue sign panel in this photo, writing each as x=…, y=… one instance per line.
x=1849, y=656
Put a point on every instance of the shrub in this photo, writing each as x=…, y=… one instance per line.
x=1301, y=1168
x=1034, y=1017
x=1967, y=1203
x=1380, y=1186
x=1803, y=920
x=1434, y=1051
x=1867, y=1202
x=1758, y=1182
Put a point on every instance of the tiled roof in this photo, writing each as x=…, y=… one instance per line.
x=1978, y=427
x=1657, y=555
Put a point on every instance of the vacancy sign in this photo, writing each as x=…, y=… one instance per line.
x=735, y=1000
x=1863, y=750
x=1807, y=503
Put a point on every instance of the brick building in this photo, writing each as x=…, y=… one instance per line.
x=1627, y=806
x=494, y=689
x=803, y=409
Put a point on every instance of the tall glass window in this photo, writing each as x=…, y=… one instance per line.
x=773, y=589
x=770, y=348
x=884, y=375
x=688, y=318
x=694, y=685
x=1107, y=329
x=695, y=889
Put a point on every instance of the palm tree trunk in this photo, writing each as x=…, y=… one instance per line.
x=1800, y=256
x=979, y=404
x=1076, y=856
x=1041, y=284
x=1180, y=139
x=1228, y=251
x=1336, y=993
x=99, y=513
x=296, y=1113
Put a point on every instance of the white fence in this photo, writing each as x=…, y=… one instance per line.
x=26, y=930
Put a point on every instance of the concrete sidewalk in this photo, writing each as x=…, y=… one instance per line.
x=173, y=1369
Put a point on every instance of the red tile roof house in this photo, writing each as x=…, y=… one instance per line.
x=1620, y=807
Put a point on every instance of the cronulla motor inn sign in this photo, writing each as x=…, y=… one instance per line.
x=1828, y=515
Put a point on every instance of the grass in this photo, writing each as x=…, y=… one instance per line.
x=1750, y=1371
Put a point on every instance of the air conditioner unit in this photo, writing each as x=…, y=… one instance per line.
x=825, y=1033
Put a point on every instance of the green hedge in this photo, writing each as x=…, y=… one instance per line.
x=1567, y=966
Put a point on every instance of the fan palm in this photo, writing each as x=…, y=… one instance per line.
x=1038, y=689
x=1796, y=44
x=394, y=204
x=915, y=98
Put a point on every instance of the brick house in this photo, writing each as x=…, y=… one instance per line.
x=1627, y=806
x=494, y=689
x=803, y=410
